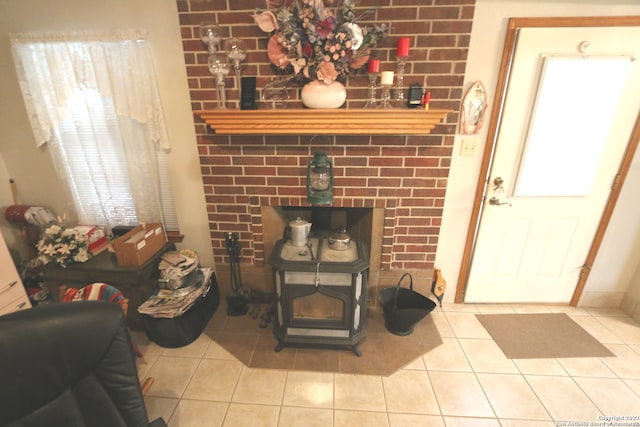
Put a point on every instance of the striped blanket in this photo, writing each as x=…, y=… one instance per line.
x=94, y=292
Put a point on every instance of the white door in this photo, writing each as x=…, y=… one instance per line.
x=571, y=104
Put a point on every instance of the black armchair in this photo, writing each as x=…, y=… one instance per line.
x=69, y=365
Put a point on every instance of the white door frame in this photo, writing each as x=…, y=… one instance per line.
x=513, y=27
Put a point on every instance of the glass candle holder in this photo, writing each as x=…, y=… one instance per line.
x=219, y=67
x=210, y=35
x=386, y=82
x=237, y=53
x=398, y=95
x=373, y=87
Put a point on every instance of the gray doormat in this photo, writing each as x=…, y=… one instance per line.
x=541, y=336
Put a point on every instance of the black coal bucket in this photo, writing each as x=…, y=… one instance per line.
x=403, y=307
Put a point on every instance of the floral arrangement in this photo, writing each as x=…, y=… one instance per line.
x=63, y=246
x=314, y=40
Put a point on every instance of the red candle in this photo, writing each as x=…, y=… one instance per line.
x=403, y=46
x=374, y=65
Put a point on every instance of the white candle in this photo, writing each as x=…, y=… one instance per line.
x=386, y=78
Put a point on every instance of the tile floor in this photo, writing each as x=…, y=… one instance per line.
x=466, y=381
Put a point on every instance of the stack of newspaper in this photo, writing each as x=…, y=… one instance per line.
x=169, y=303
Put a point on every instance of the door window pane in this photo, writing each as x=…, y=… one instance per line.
x=572, y=115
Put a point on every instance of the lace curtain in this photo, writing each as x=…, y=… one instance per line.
x=93, y=98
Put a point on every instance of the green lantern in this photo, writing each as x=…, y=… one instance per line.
x=320, y=180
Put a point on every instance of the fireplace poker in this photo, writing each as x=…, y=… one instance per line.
x=238, y=303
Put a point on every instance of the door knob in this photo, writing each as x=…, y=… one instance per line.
x=494, y=201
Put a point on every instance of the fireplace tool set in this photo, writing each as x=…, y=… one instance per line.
x=238, y=302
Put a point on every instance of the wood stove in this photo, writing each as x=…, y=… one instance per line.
x=321, y=294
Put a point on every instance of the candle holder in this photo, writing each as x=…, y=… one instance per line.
x=219, y=67
x=210, y=35
x=236, y=52
x=373, y=87
x=386, y=97
x=398, y=94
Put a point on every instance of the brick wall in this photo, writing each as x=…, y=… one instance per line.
x=405, y=175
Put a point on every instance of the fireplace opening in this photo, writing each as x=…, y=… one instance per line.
x=366, y=225
x=324, y=220
x=362, y=224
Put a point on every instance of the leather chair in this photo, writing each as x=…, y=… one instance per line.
x=69, y=365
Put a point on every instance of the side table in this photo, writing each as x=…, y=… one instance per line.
x=136, y=283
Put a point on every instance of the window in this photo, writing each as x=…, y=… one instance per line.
x=93, y=99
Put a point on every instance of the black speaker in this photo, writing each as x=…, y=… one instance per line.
x=248, y=98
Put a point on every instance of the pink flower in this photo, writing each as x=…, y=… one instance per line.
x=326, y=27
x=326, y=72
x=276, y=52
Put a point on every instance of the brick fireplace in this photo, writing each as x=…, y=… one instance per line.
x=402, y=179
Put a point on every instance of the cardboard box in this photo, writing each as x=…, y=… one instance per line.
x=138, y=245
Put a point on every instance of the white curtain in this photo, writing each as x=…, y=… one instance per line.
x=93, y=98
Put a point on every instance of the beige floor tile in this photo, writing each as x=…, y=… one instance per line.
x=486, y=356
x=144, y=344
x=531, y=308
x=171, y=376
x=495, y=308
x=605, y=311
x=586, y=367
x=442, y=324
x=624, y=328
x=597, y=329
x=540, y=367
x=460, y=394
x=464, y=308
x=260, y=386
x=626, y=364
x=633, y=385
x=527, y=423
x=245, y=415
x=144, y=364
x=563, y=398
x=410, y=392
x=414, y=420
x=214, y=380
x=196, y=349
x=447, y=357
x=415, y=365
x=305, y=417
x=471, y=422
x=344, y=418
x=216, y=351
x=196, y=413
x=160, y=407
x=309, y=389
x=511, y=397
x=359, y=392
x=568, y=310
x=467, y=325
x=611, y=396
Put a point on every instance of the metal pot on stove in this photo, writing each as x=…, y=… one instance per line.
x=339, y=240
x=299, y=232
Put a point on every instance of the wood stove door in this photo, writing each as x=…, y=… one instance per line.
x=322, y=307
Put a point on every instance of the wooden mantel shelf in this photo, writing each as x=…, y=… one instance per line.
x=323, y=122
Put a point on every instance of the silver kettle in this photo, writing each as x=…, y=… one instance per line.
x=300, y=229
x=339, y=239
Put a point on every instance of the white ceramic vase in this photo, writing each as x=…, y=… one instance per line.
x=317, y=94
